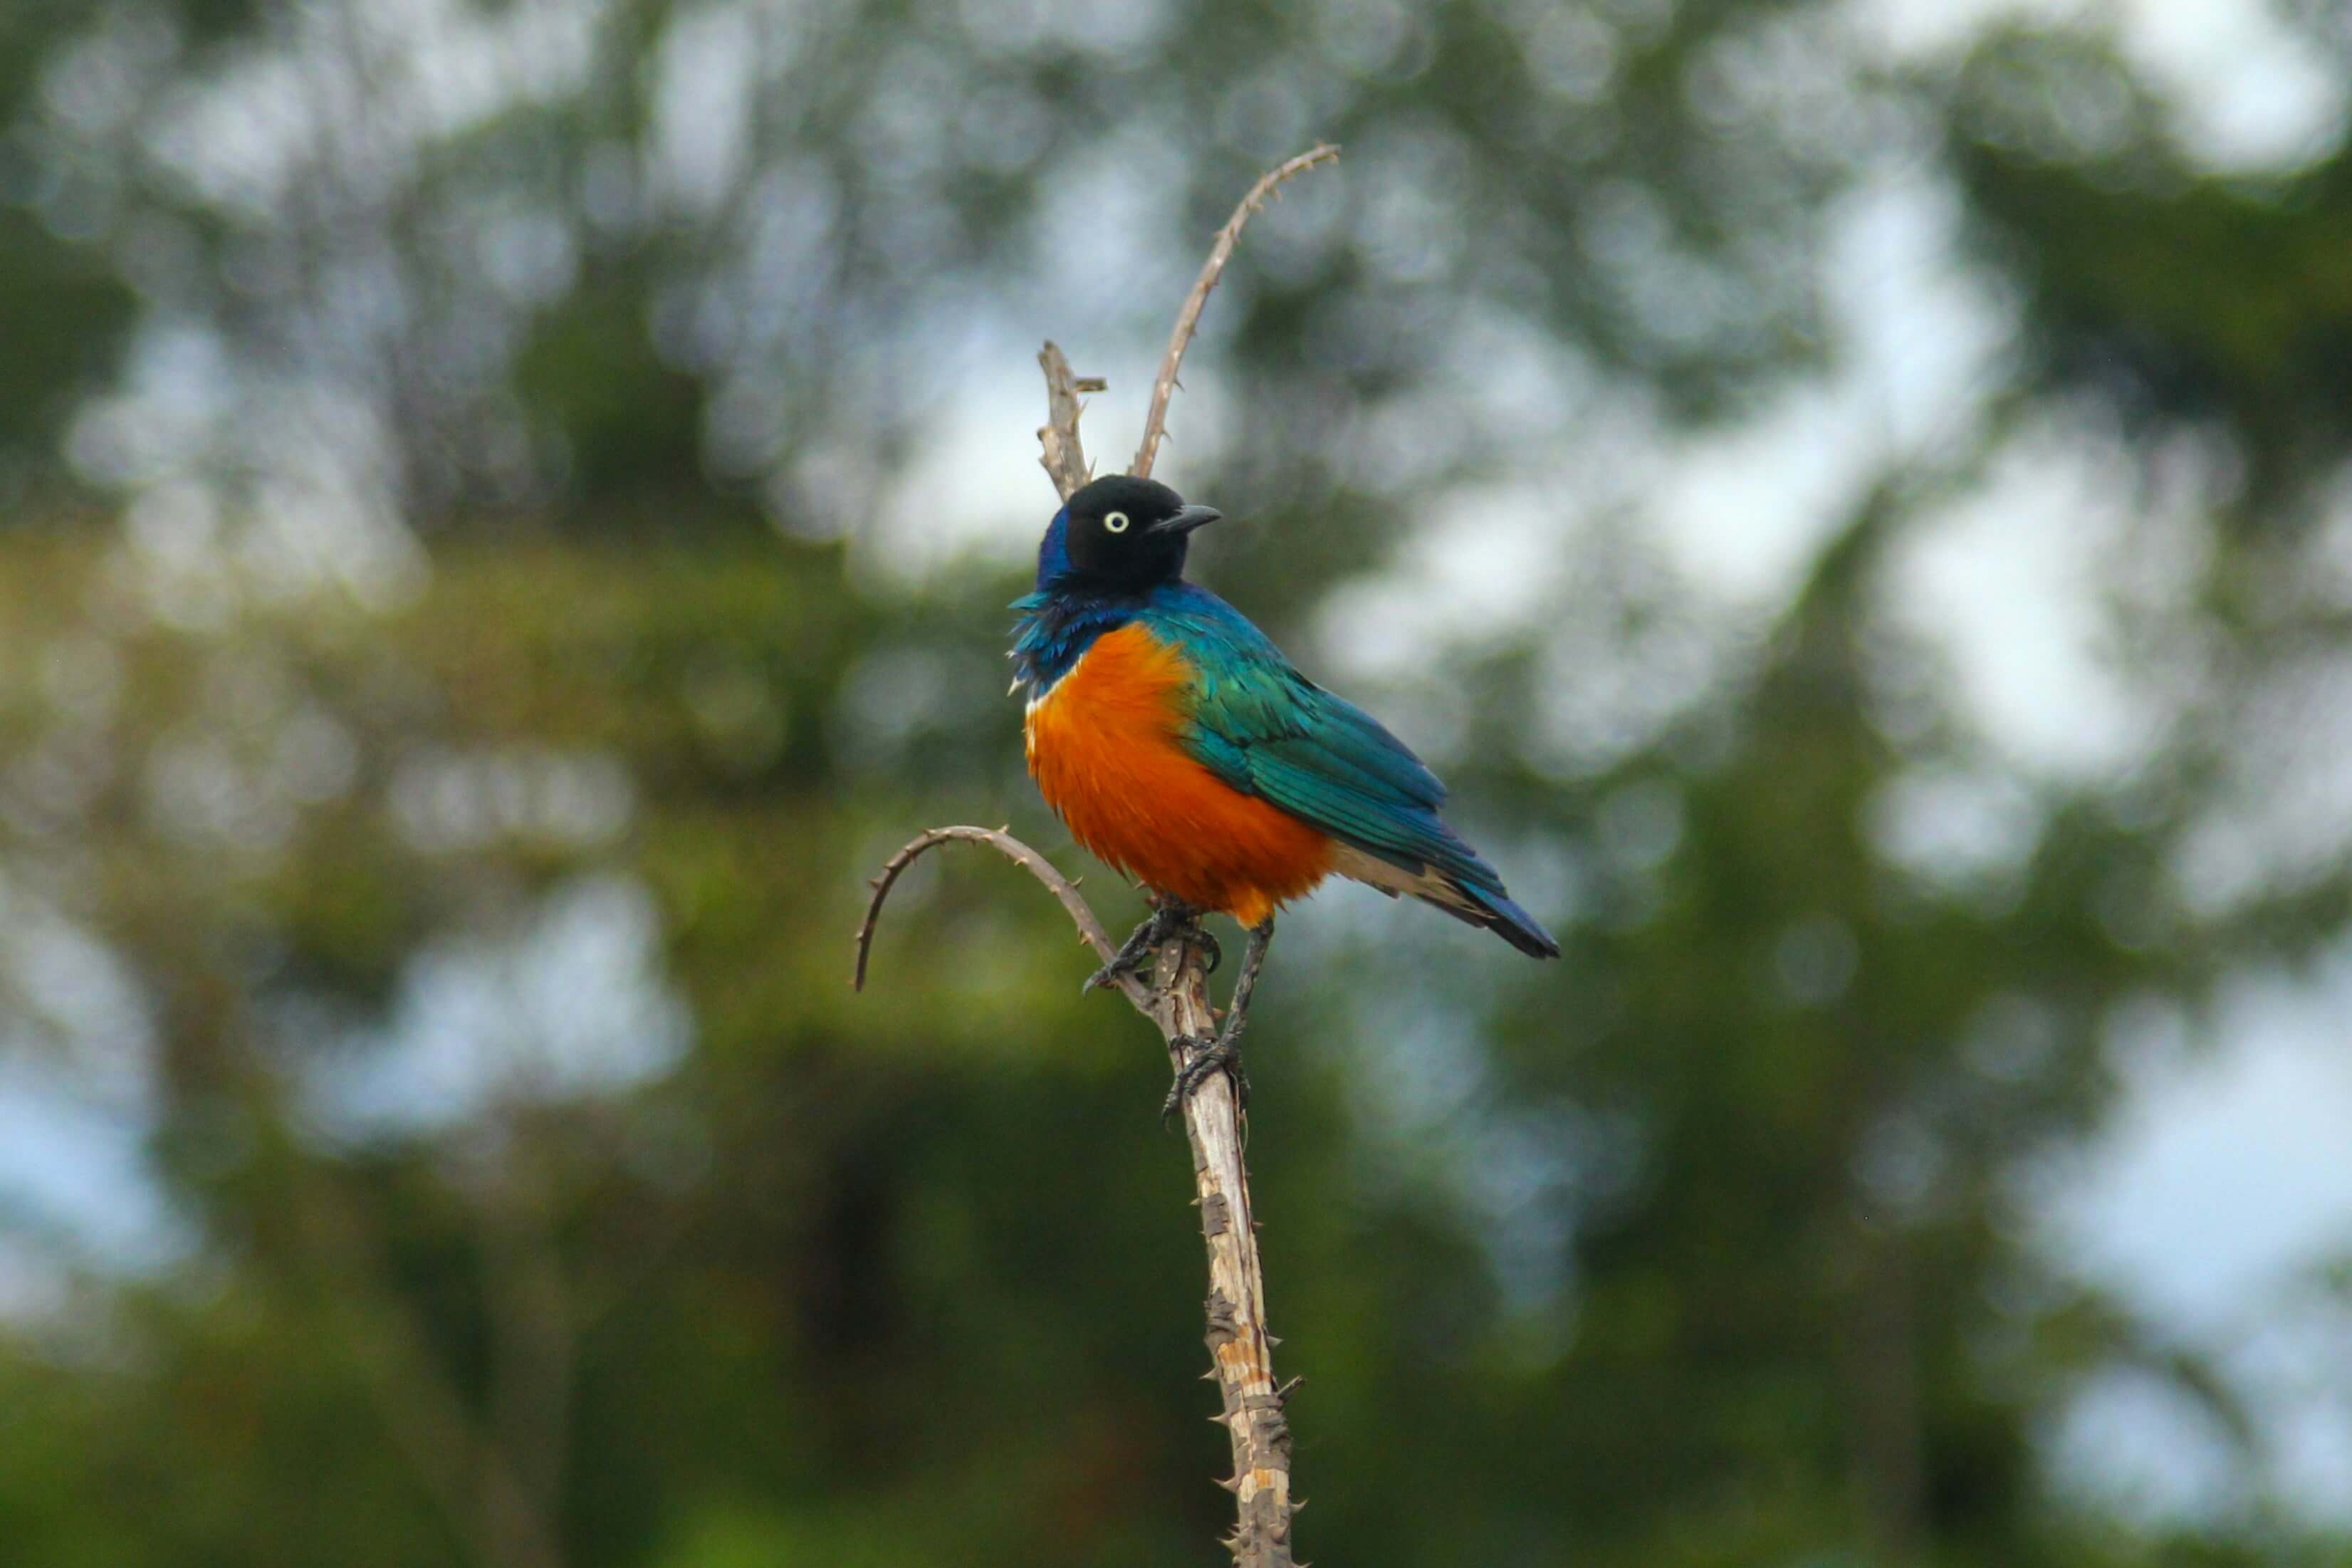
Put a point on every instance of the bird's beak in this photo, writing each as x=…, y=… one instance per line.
x=1186, y=520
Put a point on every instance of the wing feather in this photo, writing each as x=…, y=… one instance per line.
x=1263, y=727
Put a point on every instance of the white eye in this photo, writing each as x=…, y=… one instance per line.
x=1115, y=521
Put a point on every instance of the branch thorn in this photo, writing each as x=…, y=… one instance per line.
x=1188, y=319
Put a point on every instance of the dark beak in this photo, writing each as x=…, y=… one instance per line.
x=1186, y=520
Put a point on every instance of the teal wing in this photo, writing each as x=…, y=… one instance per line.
x=1264, y=728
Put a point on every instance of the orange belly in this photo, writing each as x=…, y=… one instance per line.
x=1103, y=747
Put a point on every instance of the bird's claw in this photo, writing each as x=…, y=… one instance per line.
x=1145, y=941
x=1202, y=1057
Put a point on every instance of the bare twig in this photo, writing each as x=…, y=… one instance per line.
x=1060, y=455
x=1242, y=1351
x=1089, y=929
x=1155, y=419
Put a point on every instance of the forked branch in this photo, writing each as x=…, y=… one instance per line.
x=1188, y=320
x=1239, y=1350
x=1177, y=999
x=1060, y=454
x=1090, y=930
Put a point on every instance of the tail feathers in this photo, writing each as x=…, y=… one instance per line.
x=1465, y=900
x=1507, y=921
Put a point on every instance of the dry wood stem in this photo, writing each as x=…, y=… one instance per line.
x=1155, y=418
x=1177, y=1001
x=1059, y=453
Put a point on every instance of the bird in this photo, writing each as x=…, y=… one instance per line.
x=1182, y=749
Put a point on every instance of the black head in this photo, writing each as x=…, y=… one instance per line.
x=1122, y=534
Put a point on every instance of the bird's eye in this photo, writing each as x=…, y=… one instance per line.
x=1115, y=521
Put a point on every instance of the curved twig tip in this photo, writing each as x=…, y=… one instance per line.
x=1178, y=1001
x=1188, y=319
x=1090, y=930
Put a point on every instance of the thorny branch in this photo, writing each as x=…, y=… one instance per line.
x=1064, y=460
x=1177, y=1001
x=1089, y=929
x=1155, y=419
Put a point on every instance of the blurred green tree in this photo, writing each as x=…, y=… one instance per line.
x=432, y=821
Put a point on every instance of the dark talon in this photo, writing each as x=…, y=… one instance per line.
x=1202, y=1059
x=1157, y=928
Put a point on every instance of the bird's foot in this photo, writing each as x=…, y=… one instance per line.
x=1202, y=1059
x=1146, y=939
x=1142, y=940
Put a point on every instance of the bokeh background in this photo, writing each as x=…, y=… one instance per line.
x=507, y=509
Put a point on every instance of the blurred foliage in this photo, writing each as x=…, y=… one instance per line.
x=2181, y=298
x=432, y=821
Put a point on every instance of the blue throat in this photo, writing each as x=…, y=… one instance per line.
x=1055, y=629
x=1061, y=620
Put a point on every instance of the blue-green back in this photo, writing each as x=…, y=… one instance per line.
x=1261, y=726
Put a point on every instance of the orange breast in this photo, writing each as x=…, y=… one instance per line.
x=1104, y=749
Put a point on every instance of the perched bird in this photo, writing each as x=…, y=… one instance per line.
x=1180, y=746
